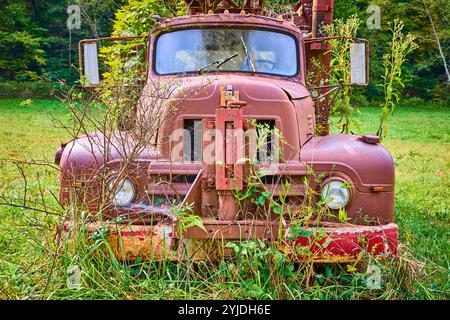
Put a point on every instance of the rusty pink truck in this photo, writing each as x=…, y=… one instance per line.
x=255, y=67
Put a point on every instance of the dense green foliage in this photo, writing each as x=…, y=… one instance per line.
x=36, y=43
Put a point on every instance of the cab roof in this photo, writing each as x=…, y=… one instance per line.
x=225, y=19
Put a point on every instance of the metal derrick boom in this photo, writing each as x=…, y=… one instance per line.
x=218, y=6
x=308, y=15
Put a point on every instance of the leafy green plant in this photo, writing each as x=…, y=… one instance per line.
x=400, y=46
x=22, y=57
x=186, y=219
x=26, y=103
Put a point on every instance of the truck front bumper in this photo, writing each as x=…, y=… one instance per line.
x=328, y=244
x=346, y=243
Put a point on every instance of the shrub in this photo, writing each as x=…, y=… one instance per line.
x=27, y=89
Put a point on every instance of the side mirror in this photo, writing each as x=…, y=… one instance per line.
x=359, y=64
x=88, y=56
x=356, y=54
x=91, y=71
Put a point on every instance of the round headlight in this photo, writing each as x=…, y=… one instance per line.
x=336, y=194
x=124, y=192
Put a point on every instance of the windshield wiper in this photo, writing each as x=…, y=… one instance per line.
x=249, y=59
x=218, y=63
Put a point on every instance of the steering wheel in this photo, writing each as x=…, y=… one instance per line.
x=272, y=64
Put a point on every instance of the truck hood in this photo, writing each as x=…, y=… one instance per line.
x=250, y=87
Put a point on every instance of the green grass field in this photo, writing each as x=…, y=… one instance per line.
x=418, y=139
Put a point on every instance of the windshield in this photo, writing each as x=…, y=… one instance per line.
x=226, y=50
